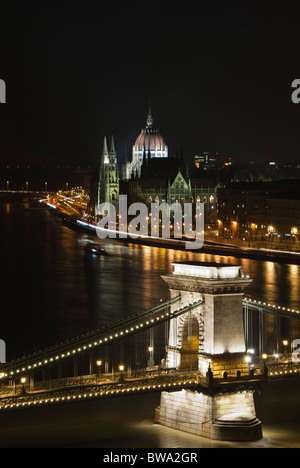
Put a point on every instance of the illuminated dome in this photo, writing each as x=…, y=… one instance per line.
x=149, y=144
x=150, y=139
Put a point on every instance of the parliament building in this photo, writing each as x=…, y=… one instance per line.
x=152, y=175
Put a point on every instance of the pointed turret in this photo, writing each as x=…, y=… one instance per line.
x=108, y=183
x=105, y=155
x=112, y=152
x=112, y=145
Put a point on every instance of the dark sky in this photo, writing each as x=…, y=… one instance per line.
x=218, y=75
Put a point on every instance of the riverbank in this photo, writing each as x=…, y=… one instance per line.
x=209, y=247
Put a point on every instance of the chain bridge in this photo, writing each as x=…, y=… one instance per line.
x=208, y=338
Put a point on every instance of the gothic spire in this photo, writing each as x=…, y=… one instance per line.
x=104, y=146
x=105, y=152
x=112, y=145
x=149, y=119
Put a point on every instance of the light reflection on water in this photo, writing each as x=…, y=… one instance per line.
x=56, y=287
x=56, y=291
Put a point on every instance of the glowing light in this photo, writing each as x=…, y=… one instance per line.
x=206, y=271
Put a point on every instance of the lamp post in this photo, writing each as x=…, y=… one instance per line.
x=121, y=368
x=294, y=232
x=150, y=360
x=23, y=381
x=270, y=233
x=99, y=363
x=285, y=346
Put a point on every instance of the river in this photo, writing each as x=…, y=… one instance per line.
x=53, y=290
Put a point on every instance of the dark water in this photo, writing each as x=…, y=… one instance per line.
x=51, y=289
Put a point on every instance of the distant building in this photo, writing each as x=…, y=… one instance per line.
x=265, y=210
x=153, y=176
x=207, y=160
x=169, y=181
x=284, y=218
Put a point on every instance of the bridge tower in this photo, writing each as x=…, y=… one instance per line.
x=209, y=341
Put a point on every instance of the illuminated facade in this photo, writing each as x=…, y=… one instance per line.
x=152, y=176
x=219, y=321
x=284, y=219
x=108, y=182
x=175, y=186
x=260, y=211
x=210, y=339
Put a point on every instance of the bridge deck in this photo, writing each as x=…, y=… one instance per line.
x=75, y=389
x=106, y=386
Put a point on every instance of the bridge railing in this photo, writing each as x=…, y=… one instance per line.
x=108, y=335
x=267, y=306
x=105, y=335
x=283, y=369
x=117, y=387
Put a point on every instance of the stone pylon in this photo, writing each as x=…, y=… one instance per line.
x=209, y=342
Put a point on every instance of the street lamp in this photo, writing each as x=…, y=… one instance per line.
x=99, y=363
x=285, y=344
x=150, y=360
x=121, y=368
x=23, y=380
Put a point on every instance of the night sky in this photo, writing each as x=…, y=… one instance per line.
x=218, y=75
